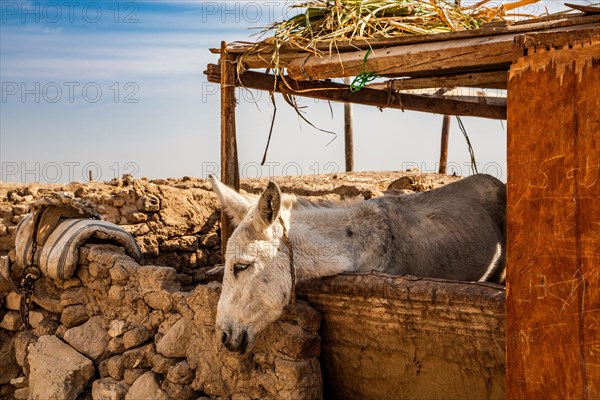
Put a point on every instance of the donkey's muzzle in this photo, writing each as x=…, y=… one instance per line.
x=236, y=342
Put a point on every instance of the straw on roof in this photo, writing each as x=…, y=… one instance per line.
x=326, y=21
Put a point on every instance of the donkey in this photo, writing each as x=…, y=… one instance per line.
x=453, y=232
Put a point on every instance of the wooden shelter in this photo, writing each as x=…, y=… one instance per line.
x=550, y=68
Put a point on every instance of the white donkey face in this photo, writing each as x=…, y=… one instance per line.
x=257, y=280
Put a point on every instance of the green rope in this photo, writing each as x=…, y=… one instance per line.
x=361, y=80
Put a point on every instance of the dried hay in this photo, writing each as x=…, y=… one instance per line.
x=330, y=21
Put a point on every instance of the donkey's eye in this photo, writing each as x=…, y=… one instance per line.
x=237, y=268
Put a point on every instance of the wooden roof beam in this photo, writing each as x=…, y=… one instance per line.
x=331, y=91
x=486, y=80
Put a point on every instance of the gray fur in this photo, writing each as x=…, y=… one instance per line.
x=451, y=232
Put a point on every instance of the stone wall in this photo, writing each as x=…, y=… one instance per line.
x=119, y=330
x=174, y=222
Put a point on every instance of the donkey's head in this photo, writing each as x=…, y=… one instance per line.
x=257, y=281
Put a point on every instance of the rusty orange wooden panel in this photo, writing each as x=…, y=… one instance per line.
x=553, y=245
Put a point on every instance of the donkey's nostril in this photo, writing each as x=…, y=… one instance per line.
x=224, y=337
x=244, y=342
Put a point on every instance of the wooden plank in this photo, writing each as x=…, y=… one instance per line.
x=487, y=80
x=341, y=46
x=444, y=144
x=540, y=43
x=438, y=58
x=229, y=158
x=583, y=8
x=491, y=100
x=553, y=220
x=331, y=91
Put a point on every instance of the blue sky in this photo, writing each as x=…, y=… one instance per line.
x=117, y=87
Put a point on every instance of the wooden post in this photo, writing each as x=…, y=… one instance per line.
x=553, y=218
x=444, y=144
x=229, y=158
x=348, y=133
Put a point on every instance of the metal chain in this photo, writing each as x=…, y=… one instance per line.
x=31, y=273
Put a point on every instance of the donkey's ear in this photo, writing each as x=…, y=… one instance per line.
x=234, y=204
x=269, y=205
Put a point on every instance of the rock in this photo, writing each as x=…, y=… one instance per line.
x=146, y=387
x=308, y=318
x=210, y=240
x=293, y=341
x=57, y=371
x=90, y=339
x=8, y=368
x=20, y=209
x=178, y=392
x=48, y=303
x=302, y=372
x=116, y=293
x=12, y=301
x=73, y=316
x=20, y=382
x=184, y=243
x=22, y=342
x=138, y=357
x=103, y=369
x=6, y=212
x=181, y=373
x=174, y=342
x=71, y=283
x=11, y=321
x=161, y=364
x=38, y=317
x=153, y=278
x=100, y=269
x=137, y=217
x=119, y=274
x=21, y=394
x=148, y=203
x=131, y=374
x=136, y=336
x=109, y=389
x=117, y=328
x=137, y=229
x=109, y=213
x=115, y=367
x=83, y=272
x=76, y=295
x=159, y=300
x=115, y=345
x=43, y=322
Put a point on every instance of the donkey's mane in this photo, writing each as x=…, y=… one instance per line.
x=301, y=203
